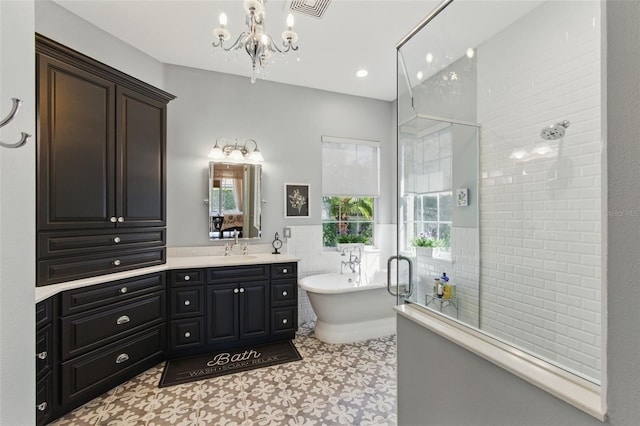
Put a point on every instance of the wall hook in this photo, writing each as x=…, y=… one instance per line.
x=24, y=136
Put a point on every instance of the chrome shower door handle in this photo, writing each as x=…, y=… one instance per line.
x=409, y=289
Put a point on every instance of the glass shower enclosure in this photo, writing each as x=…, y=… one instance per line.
x=499, y=133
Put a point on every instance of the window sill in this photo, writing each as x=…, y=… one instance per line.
x=578, y=392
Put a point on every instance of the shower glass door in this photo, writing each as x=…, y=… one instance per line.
x=437, y=178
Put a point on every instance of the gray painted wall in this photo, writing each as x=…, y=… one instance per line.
x=441, y=383
x=286, y=121
x=17, y=217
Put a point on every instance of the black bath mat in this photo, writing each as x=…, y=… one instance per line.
x=200, y=367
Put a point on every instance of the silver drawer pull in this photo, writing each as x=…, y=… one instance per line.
x=187, y=277
x=187, y=302
x=122, y=358
x=120, y=219
x=42, y=355
x=123, y=290
x=116, y=240
x=285, y=270
x=116, y=262
x=242, y=290
x=113, y=219
x=284, y=293
x=235, y=290
x=123, y=320
x=187, y=334
x=284, y=321
x=42, y=406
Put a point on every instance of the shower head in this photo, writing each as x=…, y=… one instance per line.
x=555, y=131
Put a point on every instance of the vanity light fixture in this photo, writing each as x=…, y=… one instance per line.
x=254, y=40
x=234, y=153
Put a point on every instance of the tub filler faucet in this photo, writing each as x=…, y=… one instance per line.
x=354, y=261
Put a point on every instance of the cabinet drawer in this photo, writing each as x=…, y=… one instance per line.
x=73, y=268
x=187, y=277
x=73, y=243
x=44, y=313
x=185, y=334
x=283, y=292
x=44, y=399
x=95, y=372
x=284, y=270
x=237, y=273
x=188, y=301
x=83, y=299
x=284, y=320
x=86, y=331
x=44, y=350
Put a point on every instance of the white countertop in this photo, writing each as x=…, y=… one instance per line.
x=173, y=262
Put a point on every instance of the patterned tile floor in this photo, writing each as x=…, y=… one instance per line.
x=349, y=384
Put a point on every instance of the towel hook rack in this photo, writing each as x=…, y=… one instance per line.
x=23, y=136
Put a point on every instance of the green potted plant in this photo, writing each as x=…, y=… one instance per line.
x=351, y=241
x=425, y=244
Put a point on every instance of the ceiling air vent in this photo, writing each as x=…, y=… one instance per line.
x=314, y=8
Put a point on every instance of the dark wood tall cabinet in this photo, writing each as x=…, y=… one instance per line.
x=101, y=180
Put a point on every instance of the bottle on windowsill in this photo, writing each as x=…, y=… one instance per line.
x=439, y=288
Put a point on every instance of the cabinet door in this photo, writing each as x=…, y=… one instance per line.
x=222, y=313
x=254, y=309
x=76, y=141
x=141, y=162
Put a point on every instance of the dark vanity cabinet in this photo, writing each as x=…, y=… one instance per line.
x=226, y=307
x=109, y=333
x=101, y=167
x=45, y=354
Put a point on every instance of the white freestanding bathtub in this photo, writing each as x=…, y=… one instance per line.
x=349, y=309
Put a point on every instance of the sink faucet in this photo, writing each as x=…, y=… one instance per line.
x=235, y=236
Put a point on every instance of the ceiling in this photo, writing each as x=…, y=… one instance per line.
x=352, y=34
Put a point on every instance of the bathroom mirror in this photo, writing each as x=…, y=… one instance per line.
x=234, y=200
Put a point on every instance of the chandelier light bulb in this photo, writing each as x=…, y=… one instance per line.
x=223, y=20
x=290, y=21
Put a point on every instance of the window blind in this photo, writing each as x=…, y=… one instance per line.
x=350, y=167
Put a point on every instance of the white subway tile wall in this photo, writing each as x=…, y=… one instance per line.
x=540, y=201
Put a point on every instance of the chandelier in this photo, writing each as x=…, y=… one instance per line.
x=257, y=43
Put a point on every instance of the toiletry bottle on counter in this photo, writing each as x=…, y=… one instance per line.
x=440, y=288
x=436, y=283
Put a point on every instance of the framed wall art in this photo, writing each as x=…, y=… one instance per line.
x=296, y=200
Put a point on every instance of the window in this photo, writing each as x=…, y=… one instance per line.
x=350, y=184
x=347, y=220
x=428, y=214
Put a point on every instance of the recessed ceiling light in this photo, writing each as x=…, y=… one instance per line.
x=420, y=75
x=362, y=73
x=429, y=57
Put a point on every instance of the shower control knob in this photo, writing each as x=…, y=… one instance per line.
x=187, y=302
x=284, y=293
